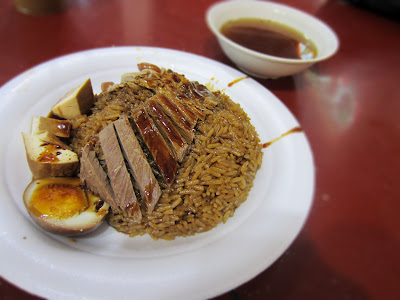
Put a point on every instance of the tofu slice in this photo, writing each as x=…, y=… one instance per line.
x=49, y=157
x=60, y=128
x=76, y=102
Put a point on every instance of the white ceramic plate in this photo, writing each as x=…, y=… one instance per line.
x=110, y=265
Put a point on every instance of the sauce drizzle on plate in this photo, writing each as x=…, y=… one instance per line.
x=237, y=80
x=293, y=130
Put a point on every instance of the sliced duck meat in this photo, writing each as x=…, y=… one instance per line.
x=152, y=138
x=178, y=118
x=120, y=178
x=189, y=93
x=168, y=130
x=93, y=176
x=202, y=92
x=179, y=93
x=179, y=87
x=176, y=86
x=197, y=107
x=140, y=169
x=188, y=113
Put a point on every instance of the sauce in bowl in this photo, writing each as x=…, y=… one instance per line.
x=269, y=37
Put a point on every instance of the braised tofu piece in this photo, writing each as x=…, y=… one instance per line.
x=48, y=156
x=75, y=102
x=60, y=128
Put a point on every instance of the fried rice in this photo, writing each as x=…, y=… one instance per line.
x=213, y=180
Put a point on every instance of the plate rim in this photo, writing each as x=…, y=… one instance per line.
x=14, y=81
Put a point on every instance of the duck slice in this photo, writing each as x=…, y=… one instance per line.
x=168, y=130
x=174, y=85
x=140, y=169
x=120, y=178
x=93, y=176
x=190, y=92
x=202, y=93
x=158, y=148
x=185, y=127
x=200, y=110
x=180, y=88
x=185, y=109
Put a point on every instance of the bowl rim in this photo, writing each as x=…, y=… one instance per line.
x=269, y=4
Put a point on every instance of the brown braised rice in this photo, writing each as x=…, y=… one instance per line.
x=212, y=181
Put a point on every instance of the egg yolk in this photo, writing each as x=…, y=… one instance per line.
x=58, y=201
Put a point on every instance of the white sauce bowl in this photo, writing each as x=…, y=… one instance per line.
x=262, y=65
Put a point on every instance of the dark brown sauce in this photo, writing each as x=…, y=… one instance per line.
x=99, y=205
x=53, y=116
x=49, y=154
x=148, y=191
x=132, y=208
x=269, y=37
x=65, y=128
x=293, y=130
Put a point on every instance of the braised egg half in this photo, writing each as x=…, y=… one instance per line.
x=61, y=206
